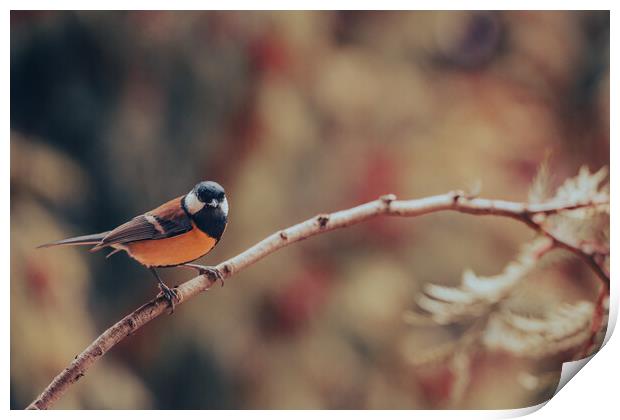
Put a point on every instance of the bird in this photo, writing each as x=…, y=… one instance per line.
x=173, y=234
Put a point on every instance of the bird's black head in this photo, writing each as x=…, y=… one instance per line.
x=204, y=195
x=209, y=193
x=207, y=205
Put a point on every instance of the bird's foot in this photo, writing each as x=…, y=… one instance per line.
x=212, y=272
x=169, y=294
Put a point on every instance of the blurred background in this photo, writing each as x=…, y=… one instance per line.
x=294, y=113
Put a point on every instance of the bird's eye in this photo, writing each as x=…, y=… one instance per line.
x=203, y=195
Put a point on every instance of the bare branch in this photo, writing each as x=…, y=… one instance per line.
x=386, y=205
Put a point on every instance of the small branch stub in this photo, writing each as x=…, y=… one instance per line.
x=457, y=195
x=322, y=220
x=387, y=199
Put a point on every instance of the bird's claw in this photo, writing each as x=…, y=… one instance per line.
x=211, y=272
x=169, y=294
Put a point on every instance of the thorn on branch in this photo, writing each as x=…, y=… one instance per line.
x=322, y=220
x=387, y=200
x=457, y=195
x=78, y=376
x=283, y=235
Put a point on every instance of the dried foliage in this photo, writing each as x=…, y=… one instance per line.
x=563, y=328
x=484, y=302
x=585, y=187
x=588, y=226
x=477, y=295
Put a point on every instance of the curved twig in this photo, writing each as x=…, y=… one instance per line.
x=386, y=205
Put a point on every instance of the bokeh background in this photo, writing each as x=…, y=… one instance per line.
x=295, y=113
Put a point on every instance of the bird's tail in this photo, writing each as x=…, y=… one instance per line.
x=93, y=239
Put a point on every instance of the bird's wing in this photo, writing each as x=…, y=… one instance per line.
x=166, y=221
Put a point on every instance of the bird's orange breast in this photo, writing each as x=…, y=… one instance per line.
x=177, y=250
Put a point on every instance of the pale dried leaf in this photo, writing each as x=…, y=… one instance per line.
x=585, y=187
x=450, y=294
x=446, y=313
x=477, y=294
x=541, y=191
x=564, y=328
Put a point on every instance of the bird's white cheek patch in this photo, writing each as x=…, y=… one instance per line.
x=192, y=203
x=224, y=206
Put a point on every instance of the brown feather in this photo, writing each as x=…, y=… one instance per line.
x=165, y=221
x=78, y=240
